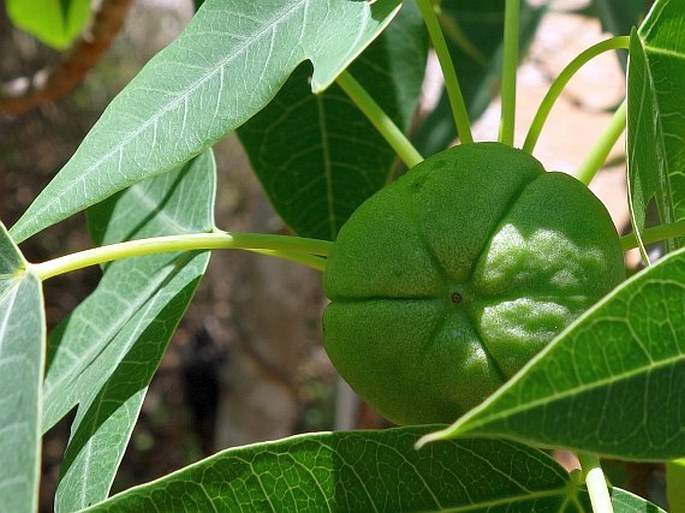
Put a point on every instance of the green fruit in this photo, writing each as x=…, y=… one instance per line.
x=446, y=282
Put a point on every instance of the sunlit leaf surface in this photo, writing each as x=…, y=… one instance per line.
x=226, y=66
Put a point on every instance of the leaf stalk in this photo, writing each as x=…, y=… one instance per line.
x=512, y=13
x=563, y=79
x=301, y=250
x=386, y=126
x=600, y=151
x=596, y=483
x=456, y=98
x=654, y=234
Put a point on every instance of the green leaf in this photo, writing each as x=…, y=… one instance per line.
x=22, y=343
x=675, y=485
x=229, y=62
x=606, y=384
x=474, y=33
x=362, y=471
x=626, y=502
x=55, y=22
x=317, y=156
x=656, y=112
x=104, y=355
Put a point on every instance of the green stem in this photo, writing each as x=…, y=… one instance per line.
x=654, y=234
x=313, y=261
x=387, y=128
x=461, y=116
x=600, y=151
x=562, y=80
x=293, y=248
x=510, y=65
x=596, y=483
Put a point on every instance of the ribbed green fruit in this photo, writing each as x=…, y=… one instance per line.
x=446, y=282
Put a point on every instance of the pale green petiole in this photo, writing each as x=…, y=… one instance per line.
x=600, y=151
x=387, y=128
x=512, y=10
x=459, y=111
x=654, y=234
x=562, y=80
x=313, y=261
x=297, y=249
x=596, y=483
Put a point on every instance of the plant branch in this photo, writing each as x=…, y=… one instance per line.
x=24, y=94
x=654, y=234
x=387, y=128
x=459, y=111
x=297, y=249
x=563, y=79
x=512, y=10
x=596, y=483
x=600, y=151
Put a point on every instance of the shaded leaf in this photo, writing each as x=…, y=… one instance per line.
x=22, y=343
x=362, y=471
x=105, y=354
x=226, y=66
x=656, y=116
x=605, y=385
x=317, y=156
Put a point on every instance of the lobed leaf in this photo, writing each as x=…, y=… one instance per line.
x=317, y=156
x=22, y=343
x=605, y=385
x=104, y=355
x=656, y=116
x=226, y=66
